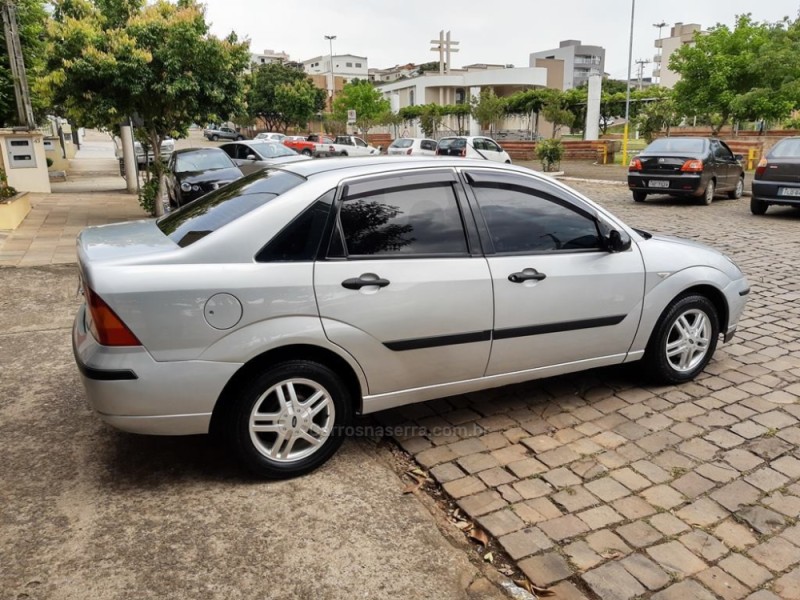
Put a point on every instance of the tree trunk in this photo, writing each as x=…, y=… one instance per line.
x=158, y=171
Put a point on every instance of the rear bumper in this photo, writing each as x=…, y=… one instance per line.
x=679, y=185
x=768, y=191
x=131, y=391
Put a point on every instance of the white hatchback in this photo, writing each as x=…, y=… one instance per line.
x=412, y=147
x=473, y=147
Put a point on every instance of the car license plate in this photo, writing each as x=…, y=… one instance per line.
x=656, y=183
x=789, y=192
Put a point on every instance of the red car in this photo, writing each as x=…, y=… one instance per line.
x=312, y=146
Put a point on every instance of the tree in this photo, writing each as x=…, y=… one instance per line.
x=283, y=95
x=488, y=109
x=657, y=115
x=367, y=101
x=530, y=103
x=721, y=66
x=559, y=116
x=111, y=59
x=32, y=18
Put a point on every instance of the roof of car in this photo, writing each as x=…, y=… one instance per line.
x=376, y=164
x=203, y=149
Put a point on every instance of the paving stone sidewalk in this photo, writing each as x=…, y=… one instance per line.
x=602, y=486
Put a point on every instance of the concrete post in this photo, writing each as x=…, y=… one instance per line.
x=474, y=126
x=129, y=159
x=592, y=131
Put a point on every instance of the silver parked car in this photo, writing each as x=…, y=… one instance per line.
x=412, y=147
x=274, y=309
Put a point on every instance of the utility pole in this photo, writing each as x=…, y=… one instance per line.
x=642, y=62
x=330, y=39
x=21, y=91
x=628, y=89
x=659, y=26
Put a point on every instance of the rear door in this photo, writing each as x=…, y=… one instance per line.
x=560, y=296
x=403, y=286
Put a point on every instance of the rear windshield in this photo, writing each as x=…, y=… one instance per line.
x=205, y=215
x=272, y=149
x=676, y=145
x=402, y=143
x=786, y=149
x=202, y=160
x=452, y=143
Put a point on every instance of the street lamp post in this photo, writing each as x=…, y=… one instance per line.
x=330, y=39
x=660, y=26
x=628, y=91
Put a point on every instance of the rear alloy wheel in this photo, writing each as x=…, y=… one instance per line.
x=639, y=196
x=708, y=196
x=214, y=138
x=758, y=207
x=289, y=420
x=306, y=152
x=683, y=340
x=737, y=193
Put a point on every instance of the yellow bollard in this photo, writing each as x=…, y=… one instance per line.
x=751, y=159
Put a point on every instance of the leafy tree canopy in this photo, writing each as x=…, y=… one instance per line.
x=283, y=95
x=366, y=100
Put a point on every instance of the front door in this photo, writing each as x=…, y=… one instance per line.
x=403, y=287
x=560, y=296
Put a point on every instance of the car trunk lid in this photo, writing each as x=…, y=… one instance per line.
x=122, y=242
x=782, y=169
x=664, y=164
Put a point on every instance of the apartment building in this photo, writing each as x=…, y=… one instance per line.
x=579, y=61
x=680, y=35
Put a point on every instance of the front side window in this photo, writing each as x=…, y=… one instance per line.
x=360, y=142
x=490, y=145
x=403, y=222
x=428, y=145
x=522, y=220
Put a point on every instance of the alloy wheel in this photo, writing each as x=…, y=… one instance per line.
x=688, y=340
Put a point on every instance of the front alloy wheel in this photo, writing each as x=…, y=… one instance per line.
x=683, y=340
x=290, y=420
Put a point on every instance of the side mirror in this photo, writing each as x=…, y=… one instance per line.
x=251, y=157
x=739, y=157
x=618, y=242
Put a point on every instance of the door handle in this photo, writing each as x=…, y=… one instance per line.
x=356, y=283
x=526, y=275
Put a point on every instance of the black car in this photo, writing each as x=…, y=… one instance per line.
x=194, y=172
x=777, y=179
x=686, y=166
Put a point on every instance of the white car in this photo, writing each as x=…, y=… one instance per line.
x=473, y=147
x=350, y=145
x=270, y=135
x=412, y=147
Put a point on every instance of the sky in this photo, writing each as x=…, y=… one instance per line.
x=505, y=32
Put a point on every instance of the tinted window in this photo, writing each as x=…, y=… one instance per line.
x=786, y=149
x=692, y=146
x=299, y=241
x=197, y=219
x=202, y=160
x=360, y=142
x=268, y=149
x=521, y=220
x=428, y=145
x=417, y=220
x=452, y=143
x=490, y=145
x=402, y=143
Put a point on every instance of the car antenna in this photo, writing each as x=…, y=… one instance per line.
x=483, y=156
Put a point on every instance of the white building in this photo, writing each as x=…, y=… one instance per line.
x=680, y=35
x=346, y=66
x=580, y=61
x=459, y=86
x=268, y=56
x=393, y=73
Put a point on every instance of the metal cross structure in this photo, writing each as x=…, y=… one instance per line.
x=444, y=46
x=23, y=96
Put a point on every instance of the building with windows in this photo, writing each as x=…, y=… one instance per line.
x=346, y=66
x=579, y=62
x=680, y=35
x=268, y=56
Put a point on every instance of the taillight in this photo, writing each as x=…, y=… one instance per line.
x=408, y=151
x=463, y=152
x=692, y=166
x=107, y=328
x=438, y=152
x=762, y=166
x=636, y=165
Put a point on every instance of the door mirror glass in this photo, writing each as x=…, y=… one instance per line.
x=739, y=157
x=618, y=241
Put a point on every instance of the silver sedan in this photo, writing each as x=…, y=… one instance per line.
x=275, y=309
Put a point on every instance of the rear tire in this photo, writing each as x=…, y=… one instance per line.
x=214, y=138
x=639, y=196
x=306, y=152
x=683, y=340
x=758, y=207
x=737, y=193
x=239, y=138
x=289, y=420
x=708, y=195
x=344, y=153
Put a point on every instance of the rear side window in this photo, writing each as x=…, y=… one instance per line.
x=299, y=241
x=205, y=215
x=427, y=145
x=420, y=220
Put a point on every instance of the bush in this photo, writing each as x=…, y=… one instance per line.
x=49, y=162
x=550, y=153
x=147, y=196
x=6, y=191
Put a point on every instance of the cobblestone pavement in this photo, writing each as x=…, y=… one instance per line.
x=602, y=486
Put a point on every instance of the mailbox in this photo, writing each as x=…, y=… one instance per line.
x=21, y=153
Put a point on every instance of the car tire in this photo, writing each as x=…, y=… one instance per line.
x=344, y=153
x=639, y=196
x=737, y=193
x=239, y=138
x=286, y=392
x=683, y=340
x=758, y=207
x=708, y=195
x=508, y=162
x=306, y=152
x=214, y=138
